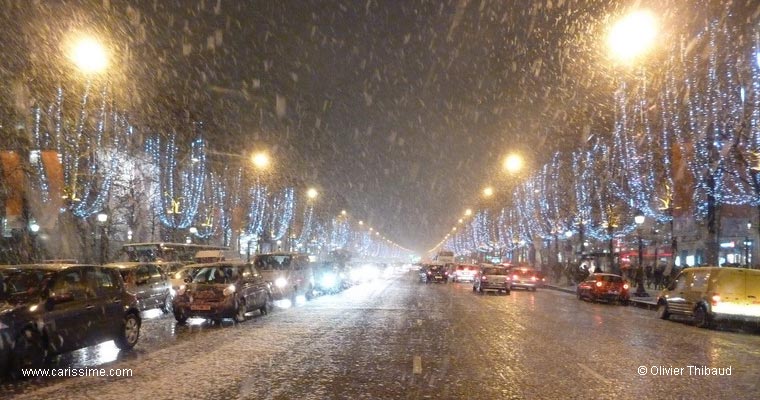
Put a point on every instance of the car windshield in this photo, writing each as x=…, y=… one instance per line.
x=273, y=262
x=21, y=283
x=216, y=275
x=608, y=278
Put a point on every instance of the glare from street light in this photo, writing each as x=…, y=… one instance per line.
x=312, y=193
x=513, y=163
x=89, y=56
x=260, y=160
x=633, y=35
x=488, y=191
x=343, y=212
x=468, y=212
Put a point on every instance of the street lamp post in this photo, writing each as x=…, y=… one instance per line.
x=747, y=244
x=34, y=230
x=640, y=290
x=102, y=219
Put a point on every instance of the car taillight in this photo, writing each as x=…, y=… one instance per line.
x=599, y=284
x=484, y=278
x=625, y=286
x=533, y=278
x=715, y=299
x=515, y=276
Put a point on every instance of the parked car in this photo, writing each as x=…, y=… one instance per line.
x=223, y=290
x=464, y=273
x=50, y=309
x=492, y=277
x=525, y=278
x=330, y=277
x=712, y=294
x=606, y=287
x=148, y=282
x=290, y=274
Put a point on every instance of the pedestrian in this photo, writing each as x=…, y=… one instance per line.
x=648, y=271
x=658, y=271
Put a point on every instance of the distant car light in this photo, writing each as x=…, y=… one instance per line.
x=280, y=282
x=328, y=281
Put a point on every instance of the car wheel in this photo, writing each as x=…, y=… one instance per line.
x=166, y=307
x=240, y=311
x=662, y=311
x=130, y=332
x=701, y=318
x=180, y=316
x=28, y=352
x=268, y=305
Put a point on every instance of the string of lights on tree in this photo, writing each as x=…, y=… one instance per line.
x=179, y=184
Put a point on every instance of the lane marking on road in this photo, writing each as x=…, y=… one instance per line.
x=417, y=365
x=593, y=373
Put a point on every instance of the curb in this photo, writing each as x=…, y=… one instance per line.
x=647, y=304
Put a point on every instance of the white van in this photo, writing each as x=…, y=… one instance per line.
x=290, y=274
x=711, y=294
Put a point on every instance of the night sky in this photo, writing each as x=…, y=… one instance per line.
x=404, y=108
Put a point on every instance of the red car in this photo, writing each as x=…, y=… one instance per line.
x=607, y=287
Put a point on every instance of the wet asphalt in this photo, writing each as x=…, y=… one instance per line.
x=396, y=338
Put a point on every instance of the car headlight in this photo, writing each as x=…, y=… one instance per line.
x=229, y=290
x=280, y=282
x=328, y=280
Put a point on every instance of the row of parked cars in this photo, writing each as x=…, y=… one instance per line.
x=706, y=295
x=484, y=277
x=49, y=309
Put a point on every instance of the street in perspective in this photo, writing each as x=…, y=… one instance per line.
x=455, y=199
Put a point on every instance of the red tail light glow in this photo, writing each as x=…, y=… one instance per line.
x=515, y=276
x=533, y=278
x=599, y=284
x=715, y=299
x=625, y=286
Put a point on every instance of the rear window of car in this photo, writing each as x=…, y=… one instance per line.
x=494, y=271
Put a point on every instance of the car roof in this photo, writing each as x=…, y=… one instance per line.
x=231, y=263
x=50, y=267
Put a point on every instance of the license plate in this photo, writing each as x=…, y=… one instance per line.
x=200, y=307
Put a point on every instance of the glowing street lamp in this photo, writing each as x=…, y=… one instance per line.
x=488, y=191
x=513, y=163
x=260, y=160
x=468, y=212
x=89, y=56
x=312, y=193
x=632, y=36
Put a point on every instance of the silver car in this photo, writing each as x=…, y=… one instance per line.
x=491, y=277
x=290, y=274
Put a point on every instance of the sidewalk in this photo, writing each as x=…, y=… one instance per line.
x=649, y=301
